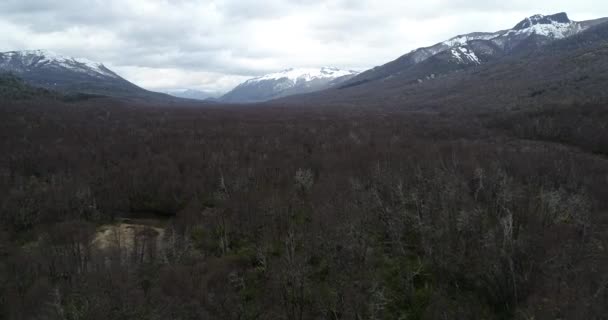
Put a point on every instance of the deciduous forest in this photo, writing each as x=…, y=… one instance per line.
x=114, y=211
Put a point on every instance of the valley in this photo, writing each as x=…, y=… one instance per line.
x=465, y=180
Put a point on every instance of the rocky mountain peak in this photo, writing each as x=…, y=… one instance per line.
x=558, y=18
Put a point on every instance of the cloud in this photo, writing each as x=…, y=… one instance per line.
x=166, y=79
x=214, y=44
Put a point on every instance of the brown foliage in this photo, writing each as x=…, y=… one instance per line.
x=314, y=213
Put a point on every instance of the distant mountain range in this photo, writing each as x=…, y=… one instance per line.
x=48, y=70
x=287, y=83
x=193, y=94
x=45, y=69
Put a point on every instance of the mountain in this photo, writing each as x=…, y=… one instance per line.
x=192, y=94
x=48, y=70
x=473, y=49
x=565, y=64
x=287, y=83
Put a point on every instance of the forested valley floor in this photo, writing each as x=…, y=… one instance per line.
x=112, y=211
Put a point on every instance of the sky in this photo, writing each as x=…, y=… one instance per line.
x=213, y=45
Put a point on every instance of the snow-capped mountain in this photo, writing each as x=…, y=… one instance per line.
x=23, y=61
x=306, y=75
x=556, y=26
x=286, y=83
x=192, y=94
x=49, y=70
x=477, y=48
x=520, y=76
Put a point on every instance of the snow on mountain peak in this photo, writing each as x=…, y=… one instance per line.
x=288, y=82
x=557, y=26
x=556, y=30
x=46, y=57
x=305, y=74
x=559, y=18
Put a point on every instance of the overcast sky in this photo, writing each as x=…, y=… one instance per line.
x=213, y=45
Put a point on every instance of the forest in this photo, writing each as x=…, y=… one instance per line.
x=109, y=210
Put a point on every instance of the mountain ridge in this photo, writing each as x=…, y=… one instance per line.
x=539, y=71
x=542, y=28
x=288, y=82
x=64, y=74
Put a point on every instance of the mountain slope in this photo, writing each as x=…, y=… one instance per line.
x=287, y=83
x=70, y=75
x=563, y=71
x=13, y=88
x=464, y=51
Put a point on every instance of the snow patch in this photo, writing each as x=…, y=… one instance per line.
x=470, y=55
x=462, y=40
x=464, y=55
x=457, y=55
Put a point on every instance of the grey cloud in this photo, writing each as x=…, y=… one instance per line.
x=46, y=16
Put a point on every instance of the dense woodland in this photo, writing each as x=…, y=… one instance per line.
x=13, y=88
x=302, y=213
